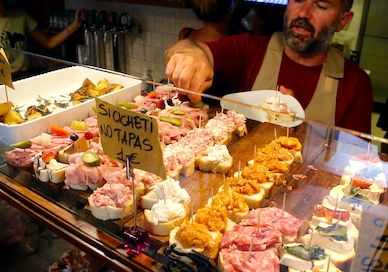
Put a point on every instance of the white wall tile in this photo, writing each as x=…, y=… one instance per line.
x=156, y=39
x=159, y=28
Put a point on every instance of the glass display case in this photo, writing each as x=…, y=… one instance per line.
x=294, y=169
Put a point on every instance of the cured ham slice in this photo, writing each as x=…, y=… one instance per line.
x=234, y=260
x=240, y=237
x=287, y=224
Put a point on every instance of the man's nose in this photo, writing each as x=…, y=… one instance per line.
x=305, y=10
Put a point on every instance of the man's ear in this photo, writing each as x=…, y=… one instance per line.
x=345, y=20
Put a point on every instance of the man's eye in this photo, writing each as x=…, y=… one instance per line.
x=322, y=5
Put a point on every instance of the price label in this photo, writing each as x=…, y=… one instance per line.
x=128, y=134
x=5, y=70
x=372, y=253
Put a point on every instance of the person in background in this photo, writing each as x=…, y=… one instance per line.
x=16, y=25
x=215, y=15
x=300, y=60
x=382, y=123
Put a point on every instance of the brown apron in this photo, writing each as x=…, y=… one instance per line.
x=323, y=103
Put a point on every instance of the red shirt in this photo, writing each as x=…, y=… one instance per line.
x=237, y=60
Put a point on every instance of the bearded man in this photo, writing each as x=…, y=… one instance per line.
x=300, y=60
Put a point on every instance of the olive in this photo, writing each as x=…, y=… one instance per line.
x=169, y=102
x=143, y=110
x=74, y=137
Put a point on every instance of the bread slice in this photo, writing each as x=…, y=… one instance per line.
x=233, y=215
x=241, y=130
x=218, y=160
x=266, y=186
x=79, y=186
x=338, y=258
x=189, y=168
x=162, y=228
x=254, y=201
x=209, y=252
x=110, y=212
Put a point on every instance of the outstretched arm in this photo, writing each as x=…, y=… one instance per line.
x=190, y=66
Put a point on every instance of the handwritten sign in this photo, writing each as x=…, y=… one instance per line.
x=372, y=253
x=5, y=70
x=127, y=134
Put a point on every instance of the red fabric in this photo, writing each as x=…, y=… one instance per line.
x=237, y=60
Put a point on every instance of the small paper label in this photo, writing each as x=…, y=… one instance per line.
x=5, y=70
x=128, y=134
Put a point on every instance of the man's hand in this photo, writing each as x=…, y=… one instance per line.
x=190, y=67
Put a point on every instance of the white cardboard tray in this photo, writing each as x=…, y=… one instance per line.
x=63, y=81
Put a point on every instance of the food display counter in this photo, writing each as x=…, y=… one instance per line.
x=329, y=157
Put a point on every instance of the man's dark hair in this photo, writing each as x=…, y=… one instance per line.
x=346, y=5
x=211, y=10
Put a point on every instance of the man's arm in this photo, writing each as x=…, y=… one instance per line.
x=190, y=66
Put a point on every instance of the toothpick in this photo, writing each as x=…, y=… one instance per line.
x=164, y=196
x=222, y=109
x=131, y=175
x=288, y=132
x=336, y=203
x=224, y=178
x=368, y=153
x=284, y=203
x=328, y=263
x=311, y=237
x=254, y=155
x=251, y=244
x=275, y=133
x=211, y=193
x=338, y=220
x=191, y=213
x=200, y=121
x=6, y=97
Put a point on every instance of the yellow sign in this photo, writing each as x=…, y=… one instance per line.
x=128, y=134
x=372, y=253
x=5, y=70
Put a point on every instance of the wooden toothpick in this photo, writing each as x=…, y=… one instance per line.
x=284, y=203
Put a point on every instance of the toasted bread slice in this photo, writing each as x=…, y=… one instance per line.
x=162, y=228
x=110, y=212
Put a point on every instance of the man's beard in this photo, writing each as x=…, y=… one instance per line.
x=307, y=46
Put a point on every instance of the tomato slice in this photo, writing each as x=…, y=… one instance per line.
x=60, y=131
x=153, y=94
x=48, y=156
x=361, y=183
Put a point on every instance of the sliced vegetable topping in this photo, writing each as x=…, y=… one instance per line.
x=337, y=232
x=22, y=144
x=47, y=156
x=307, y=252
x=60, y=131
x=88, y=135
x=178, y=112
x=200, y=104
x=172, y=120
x=361, y=182
x=78, y=125
x=127, y=105
x=91, y=159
